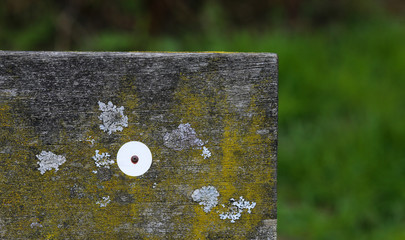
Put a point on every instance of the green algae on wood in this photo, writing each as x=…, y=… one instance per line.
x=226, y=104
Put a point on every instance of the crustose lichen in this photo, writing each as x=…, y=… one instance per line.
x=236, y=209
x=207, y=196
x=112, y=117
x=49, y=160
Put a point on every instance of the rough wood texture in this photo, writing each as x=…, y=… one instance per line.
x=210, y=120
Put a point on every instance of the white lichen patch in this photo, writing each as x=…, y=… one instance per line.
x=91, y=140
x=104, y=202
x=112, y=117
x=207, y=196
x=102, y=160
x=233, y=214
x=35, y=224
x=49, y=160
x=206, y=153
x=236, y=209
x=182, y=138
x=243, y=204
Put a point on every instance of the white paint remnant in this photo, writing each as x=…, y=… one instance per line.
x=206, y=153
x=113, y=117
x=35, y=224
x=102, y=160
x=236, y=209
x=182, y=137
x=104, y=202
x=207, y=196
x=49, y=160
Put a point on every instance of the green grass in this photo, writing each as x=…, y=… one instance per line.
x=341, y=153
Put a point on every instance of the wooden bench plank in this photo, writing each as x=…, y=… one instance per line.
x=210, y=120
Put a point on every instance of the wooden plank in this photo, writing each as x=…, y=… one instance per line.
x=209, y=119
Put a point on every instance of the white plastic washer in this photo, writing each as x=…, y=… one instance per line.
x=125, y=154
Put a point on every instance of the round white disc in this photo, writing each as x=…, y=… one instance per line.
x=130, y=149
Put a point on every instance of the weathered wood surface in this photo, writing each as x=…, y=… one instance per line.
x=210, y=120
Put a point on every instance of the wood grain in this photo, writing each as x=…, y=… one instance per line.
x=181, y=105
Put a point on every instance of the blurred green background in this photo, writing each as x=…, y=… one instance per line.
x=341, y=162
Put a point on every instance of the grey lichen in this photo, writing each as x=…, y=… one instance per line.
x=182, y=138
x=49, y=161
x=233, y=214
x=207, y=196
x=35, y=224
x=206, y=153
x=236, y=209
x=91, y=140
x=102, y=160
x=112, y=117
x=104, y=202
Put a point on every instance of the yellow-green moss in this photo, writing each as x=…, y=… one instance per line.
x=236, y=168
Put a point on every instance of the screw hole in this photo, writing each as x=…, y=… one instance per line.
x=134, y=159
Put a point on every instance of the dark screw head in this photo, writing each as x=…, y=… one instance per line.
x=134, y=159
